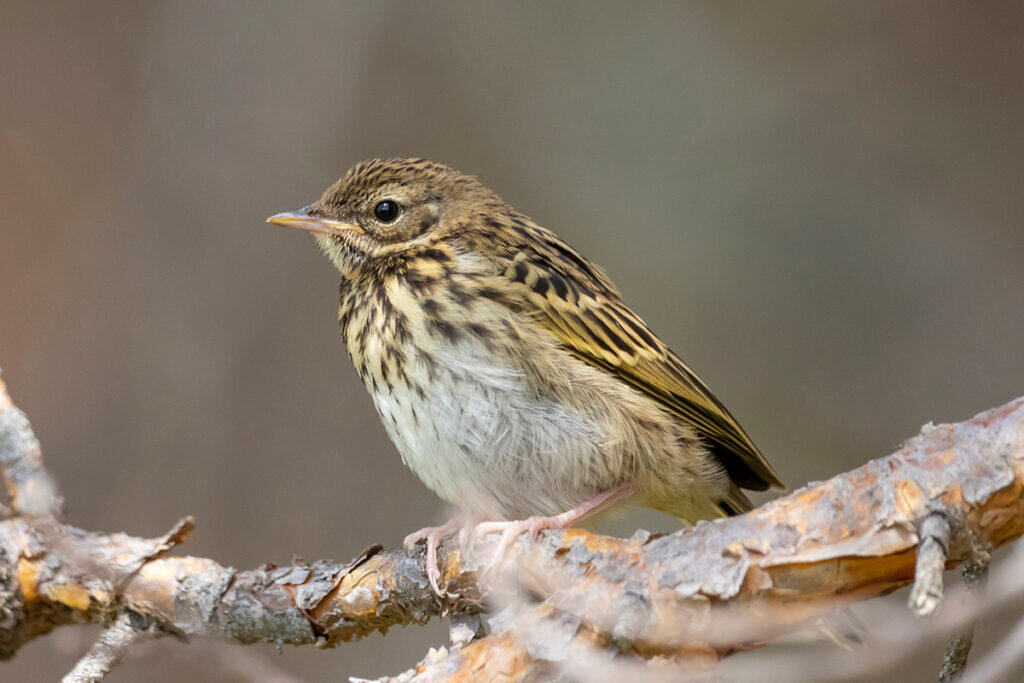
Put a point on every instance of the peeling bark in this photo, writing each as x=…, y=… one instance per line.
x=692, y=596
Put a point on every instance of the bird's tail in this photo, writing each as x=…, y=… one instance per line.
x=735, y=502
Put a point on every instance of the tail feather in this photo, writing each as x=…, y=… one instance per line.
x=735, y=502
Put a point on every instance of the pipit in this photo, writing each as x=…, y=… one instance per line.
x=507, y=369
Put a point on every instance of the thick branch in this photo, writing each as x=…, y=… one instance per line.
x=852, y=537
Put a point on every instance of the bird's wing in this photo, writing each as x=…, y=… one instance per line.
x=579, y=304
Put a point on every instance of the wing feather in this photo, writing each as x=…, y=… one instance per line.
x=577, y=302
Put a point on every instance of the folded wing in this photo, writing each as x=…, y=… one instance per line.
x=580, y=305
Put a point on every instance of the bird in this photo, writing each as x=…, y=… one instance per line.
x=506, y=367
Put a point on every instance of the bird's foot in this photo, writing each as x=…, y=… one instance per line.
x=433, y=536
x=534, y=525
x=510, y=531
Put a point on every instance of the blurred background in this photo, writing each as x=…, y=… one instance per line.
x=818, y=205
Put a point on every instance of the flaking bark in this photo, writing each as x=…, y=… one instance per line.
x=674, y=596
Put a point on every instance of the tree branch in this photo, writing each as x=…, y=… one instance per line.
x=954, y=659
x=106, y=653
x=687, y=598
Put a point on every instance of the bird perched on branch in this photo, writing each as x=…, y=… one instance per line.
x=506, y=367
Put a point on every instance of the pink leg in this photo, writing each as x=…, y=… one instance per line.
x=511, y=530
x=433, y=536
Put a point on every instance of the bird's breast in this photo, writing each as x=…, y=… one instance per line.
x=465, y=416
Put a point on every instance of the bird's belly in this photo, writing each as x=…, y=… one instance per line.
x=474, y=431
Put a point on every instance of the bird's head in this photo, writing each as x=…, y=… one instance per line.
x=384, y=209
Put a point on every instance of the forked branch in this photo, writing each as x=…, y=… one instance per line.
x=684, y=599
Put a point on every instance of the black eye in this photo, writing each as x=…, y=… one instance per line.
x=386, y=211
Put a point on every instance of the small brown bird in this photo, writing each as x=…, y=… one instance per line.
x=505, y=366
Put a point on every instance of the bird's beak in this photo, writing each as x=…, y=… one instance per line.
x=306, y=219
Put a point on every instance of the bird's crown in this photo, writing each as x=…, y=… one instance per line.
x=382, y=209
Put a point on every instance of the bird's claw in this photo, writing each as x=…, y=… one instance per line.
x=433, y=536
x=511, y=530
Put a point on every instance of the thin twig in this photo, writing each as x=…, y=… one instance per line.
x=997, y=664
x=954, y=659
x=106, y=653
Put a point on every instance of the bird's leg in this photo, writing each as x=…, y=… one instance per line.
x=532, y=525
x=433, y=536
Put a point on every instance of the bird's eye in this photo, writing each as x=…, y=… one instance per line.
x=386, y=211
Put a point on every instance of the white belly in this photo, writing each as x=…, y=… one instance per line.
x=481, y=441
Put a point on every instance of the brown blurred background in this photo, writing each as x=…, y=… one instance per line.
x=819, y=205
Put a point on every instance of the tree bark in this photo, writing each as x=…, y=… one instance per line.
x=946, y=497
